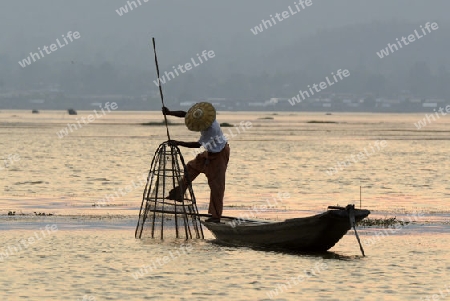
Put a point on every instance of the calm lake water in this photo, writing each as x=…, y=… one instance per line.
x=316, y=159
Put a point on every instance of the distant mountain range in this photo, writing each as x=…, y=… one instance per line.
x=420, y=70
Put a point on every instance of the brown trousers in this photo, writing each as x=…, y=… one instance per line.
x=214, y=166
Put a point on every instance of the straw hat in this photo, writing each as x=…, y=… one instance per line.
x=200, y=116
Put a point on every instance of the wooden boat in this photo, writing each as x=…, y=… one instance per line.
x=315, y=233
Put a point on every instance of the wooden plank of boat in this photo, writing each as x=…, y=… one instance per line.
x=314, y=233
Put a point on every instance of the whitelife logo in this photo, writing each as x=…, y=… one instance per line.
x=110, y=197
x=323, y=85
x=161, y=261
x=15, y=249
x=188, y=66
x=435, y=297
x=265, y=24
x=243, y=126
x=318, y=268
x=91, y=118
x=124, y=9
x=11, y=158
x=423, y=123
x=49, y=49
x=251, y=214
x=379, y=146
x=411, y=38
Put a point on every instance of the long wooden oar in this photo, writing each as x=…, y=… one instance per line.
x=206, y=215
x=160, y=88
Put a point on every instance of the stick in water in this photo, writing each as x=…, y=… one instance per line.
x=351, y=214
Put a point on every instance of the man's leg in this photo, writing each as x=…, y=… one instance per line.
x=216, y=180
x=193, y=169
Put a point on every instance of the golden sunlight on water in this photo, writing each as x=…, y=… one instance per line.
x=112, y=265
x=317, y=159
x=318, y=164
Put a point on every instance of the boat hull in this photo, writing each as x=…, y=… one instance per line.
x=315, y=233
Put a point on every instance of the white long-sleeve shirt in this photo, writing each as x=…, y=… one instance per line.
x=213, y=139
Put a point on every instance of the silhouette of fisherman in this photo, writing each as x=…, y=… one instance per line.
x=213, y=162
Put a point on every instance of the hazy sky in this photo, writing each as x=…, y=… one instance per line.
x=182, y=28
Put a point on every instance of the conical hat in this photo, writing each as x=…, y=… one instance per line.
x=200, y=116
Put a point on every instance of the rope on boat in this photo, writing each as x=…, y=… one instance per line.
x=351, y=214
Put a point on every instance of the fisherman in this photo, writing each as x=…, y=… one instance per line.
x=213, y=162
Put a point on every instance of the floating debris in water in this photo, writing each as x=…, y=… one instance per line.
x=384, y=222
x=320, y=121
x=43, y=214
x=31, y=182
x=71, y=111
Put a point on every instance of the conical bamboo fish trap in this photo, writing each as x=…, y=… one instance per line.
x=158, y=213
